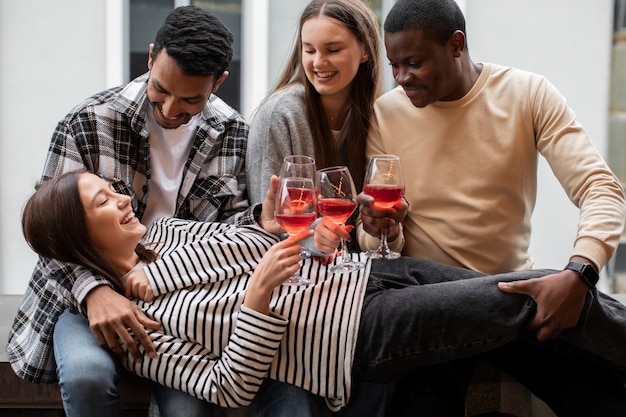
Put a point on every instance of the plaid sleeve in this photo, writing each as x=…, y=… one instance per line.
x=238, y=210
x=29, y=346
x=63, y=153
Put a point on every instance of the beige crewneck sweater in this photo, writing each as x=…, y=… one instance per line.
x=470, y=168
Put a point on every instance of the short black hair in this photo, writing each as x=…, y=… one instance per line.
x=438, y=19
x=197, y=40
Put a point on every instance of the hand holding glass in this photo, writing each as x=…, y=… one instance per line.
x=336, y=201
x=384, y=182
x=295, y=211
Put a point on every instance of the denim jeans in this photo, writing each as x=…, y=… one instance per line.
x=412, y=318
x=88, y=377
x=420, y=313
x=278, y=399
x=170, y=402
x=88, y=373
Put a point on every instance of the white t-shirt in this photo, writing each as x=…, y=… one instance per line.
x=169, y=151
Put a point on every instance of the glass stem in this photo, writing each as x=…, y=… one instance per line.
x=383, y=248
x=345, y=256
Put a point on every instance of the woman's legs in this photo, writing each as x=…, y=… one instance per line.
x=459, y=313
x=599, y=334
x=407, y=324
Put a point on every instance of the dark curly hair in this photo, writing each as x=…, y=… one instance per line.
x=438, y=19
x=197, y=40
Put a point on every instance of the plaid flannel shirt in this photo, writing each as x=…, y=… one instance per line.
x=106, y=134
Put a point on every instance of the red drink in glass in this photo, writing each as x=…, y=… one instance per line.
x=295, y=223
x=336, y=209
x=384, y=195
x=300, y=197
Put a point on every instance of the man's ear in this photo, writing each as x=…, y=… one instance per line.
x=150, y=56
x=219, y=81
x=457, y=42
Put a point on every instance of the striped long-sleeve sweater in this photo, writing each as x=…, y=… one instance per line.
x=215, y=349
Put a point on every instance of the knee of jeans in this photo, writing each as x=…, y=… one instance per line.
x=88, y=380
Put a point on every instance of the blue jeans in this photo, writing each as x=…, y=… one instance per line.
x=88, y=377
x=170, y=403
x=88, y=373
x=278, y=399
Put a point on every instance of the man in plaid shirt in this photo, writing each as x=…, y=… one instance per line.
x=167, y=141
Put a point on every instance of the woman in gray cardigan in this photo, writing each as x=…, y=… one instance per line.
x=322, y=103
x=321, y=106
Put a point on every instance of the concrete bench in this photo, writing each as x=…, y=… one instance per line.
x=17, y=394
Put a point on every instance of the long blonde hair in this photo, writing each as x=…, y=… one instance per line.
x=357, y=17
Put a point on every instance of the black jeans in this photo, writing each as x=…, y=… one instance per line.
x=571, y=387
x=423, y=321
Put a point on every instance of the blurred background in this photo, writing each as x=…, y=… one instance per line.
x=53, y=54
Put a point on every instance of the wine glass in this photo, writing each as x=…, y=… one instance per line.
x=384, y=182
x=298, y=166
x=295, y=211
x=301, y=166
x=336, y=200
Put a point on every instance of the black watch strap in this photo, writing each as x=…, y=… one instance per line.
x=586, y=271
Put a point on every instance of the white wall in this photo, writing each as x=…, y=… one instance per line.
x=570, y=43
x=55, y=53
x=266, y=46
x=52, y=55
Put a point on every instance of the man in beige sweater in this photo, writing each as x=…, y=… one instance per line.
x=469, y=135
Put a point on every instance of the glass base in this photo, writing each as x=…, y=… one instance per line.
x=296, y=280
x=353, y=266
x=377, y=254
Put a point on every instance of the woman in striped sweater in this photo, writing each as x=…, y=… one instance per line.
x=228, y=324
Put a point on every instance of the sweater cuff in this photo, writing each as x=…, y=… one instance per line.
x=593, y=250
x=261, y=333
x=273, y=319
x=82, y=286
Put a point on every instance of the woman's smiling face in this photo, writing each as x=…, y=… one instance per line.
x=111, y=222
x=331, y=55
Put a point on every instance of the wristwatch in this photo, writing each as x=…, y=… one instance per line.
x=586, y=271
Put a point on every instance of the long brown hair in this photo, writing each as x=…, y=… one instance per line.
x=357, y=17
x=54, y=226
